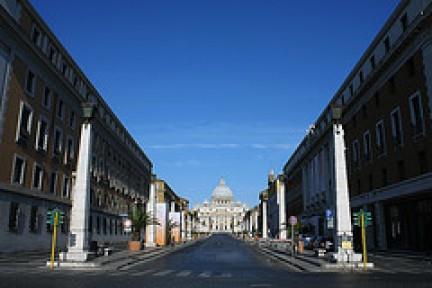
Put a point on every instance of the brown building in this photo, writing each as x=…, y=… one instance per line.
x=387, y=122
x=41, y=93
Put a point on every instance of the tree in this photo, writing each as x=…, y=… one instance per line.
x=140, y=219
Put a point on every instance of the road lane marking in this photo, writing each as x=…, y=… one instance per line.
x=140, y=273
x=226, y=275
x=260, y=285
x=205, y=274
x=184, y=273
x=163, y=273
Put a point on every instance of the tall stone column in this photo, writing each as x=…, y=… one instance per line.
x=182, y=225
x=280, y=188
x=189, y=227
x=264, y=199
x=79, y=235
x=343, y=231
x=151, y=210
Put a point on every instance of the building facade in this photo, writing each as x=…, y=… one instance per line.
x=386, y=102
x=222, y=214
x=42, y=90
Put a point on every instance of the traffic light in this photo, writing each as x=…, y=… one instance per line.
x=368, y=218
x=50, y=218
x=356, y=218
x=61, y=217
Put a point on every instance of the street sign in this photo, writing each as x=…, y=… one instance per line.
x=328, y=214
x=292, y=220
x=127, y=224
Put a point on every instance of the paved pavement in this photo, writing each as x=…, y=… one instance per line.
x=219, y=261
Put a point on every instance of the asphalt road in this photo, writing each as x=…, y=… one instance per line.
x=219, y=261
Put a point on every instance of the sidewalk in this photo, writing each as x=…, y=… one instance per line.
x=384, y=261
x=119, y=259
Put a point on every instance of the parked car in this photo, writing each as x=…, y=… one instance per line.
x=323, y=242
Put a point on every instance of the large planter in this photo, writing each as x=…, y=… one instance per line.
x=134, y=245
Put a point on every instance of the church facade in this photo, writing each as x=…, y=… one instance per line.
x=222, y=214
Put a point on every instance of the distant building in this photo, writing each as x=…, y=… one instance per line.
x=222, y=214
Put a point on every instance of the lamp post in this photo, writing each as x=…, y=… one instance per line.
x=79, y=236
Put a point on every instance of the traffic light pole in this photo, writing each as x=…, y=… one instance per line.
x=54, y=238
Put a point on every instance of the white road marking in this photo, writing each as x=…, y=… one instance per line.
x=184, y=273
x=260, y=285
x=163, y=273
x=205, y=274
x=140, y=273
x=226, y=275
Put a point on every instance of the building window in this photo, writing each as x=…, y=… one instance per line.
x=42, y=135
x=19, y=167
x=380, y=138
x=396, y=127
x=30, y=82
x=355, y=153
x=37, y=177
x=404, y=22
x=372, y=62
x=53, y=183
x=33, y=227
x=416, y=113
x=46, y=99
x=24, y=122
x=52, y=54
x=367, y=146
x=98, y=230
x=58, y=141
x=64, y=68
x=361, y=77
x=36, y=36
x=70, y=150
x=351, y=90
x=14, y=212
x=72, y=120
x=66, y=187
x=90, y=224
x=387, y=45
x=104, y=226
x=60, y=109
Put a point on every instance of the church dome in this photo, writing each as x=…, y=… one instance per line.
x=222, y=190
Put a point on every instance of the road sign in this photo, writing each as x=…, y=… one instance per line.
x=328, y=214
x=292, y=220
x=127, y=225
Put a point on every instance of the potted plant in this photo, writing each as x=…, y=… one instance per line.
x=139, y=220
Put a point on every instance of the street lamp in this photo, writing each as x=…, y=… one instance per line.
x=88, y=109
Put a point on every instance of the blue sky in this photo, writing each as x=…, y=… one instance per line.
x=213, y=88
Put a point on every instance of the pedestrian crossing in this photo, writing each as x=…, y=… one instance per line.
x=205, y=274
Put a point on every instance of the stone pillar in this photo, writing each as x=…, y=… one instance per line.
x=182, y=225
x=380, y=226
x=343, y=231
x=283, y=225
x=264, y=219
x=79, y=235
x=151, y=210
x=189, y=227
x=172, y=208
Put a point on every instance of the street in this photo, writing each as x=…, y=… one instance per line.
x=219, y=261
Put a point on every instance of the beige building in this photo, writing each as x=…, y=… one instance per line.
x=41, y=93
x=222, y=214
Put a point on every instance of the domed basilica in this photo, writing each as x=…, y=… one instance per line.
x=222, y=214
